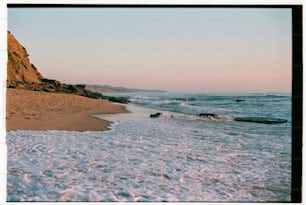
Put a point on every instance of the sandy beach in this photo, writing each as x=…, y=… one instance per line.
x=34, y=110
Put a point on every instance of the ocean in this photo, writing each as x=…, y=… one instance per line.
x=177, y=156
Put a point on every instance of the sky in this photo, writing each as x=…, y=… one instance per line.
x=176, y=49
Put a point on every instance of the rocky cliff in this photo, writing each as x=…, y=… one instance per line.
x=22, y=74
x=20, y=71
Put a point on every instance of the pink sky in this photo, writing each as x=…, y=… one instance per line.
x=191, y=50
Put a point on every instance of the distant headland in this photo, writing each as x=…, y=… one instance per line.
x=112, y=89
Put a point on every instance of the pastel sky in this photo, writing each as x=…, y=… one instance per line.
x=175, y=49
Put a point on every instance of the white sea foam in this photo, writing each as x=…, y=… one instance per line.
x=176, y=157
x=147, y=160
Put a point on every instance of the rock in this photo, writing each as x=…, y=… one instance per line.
x=72, y=88
x=118, y=99
x=91, y=94
x=156, y=115
x=208, y=115
x=45, y=80
x=264, y=120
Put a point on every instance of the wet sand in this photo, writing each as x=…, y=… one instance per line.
x=35, y=110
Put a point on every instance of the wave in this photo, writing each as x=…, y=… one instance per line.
x=227, y=106
x=174, y=104
x=180, y=116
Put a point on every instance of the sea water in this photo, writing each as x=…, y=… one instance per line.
x=179, y=156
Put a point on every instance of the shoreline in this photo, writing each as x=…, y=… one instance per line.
x=134, y=112
x=36, y=110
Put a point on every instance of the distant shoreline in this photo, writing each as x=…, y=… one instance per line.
x=112, y=89
x=36, y=110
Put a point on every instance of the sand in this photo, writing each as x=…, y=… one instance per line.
x=35, y=110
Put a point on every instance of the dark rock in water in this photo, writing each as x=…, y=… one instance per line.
x=239, y=100
x=264, y=120
x=156, y=115
x=208, y=115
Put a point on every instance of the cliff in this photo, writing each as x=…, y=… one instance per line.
x=20, y=71
x=22, y=74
